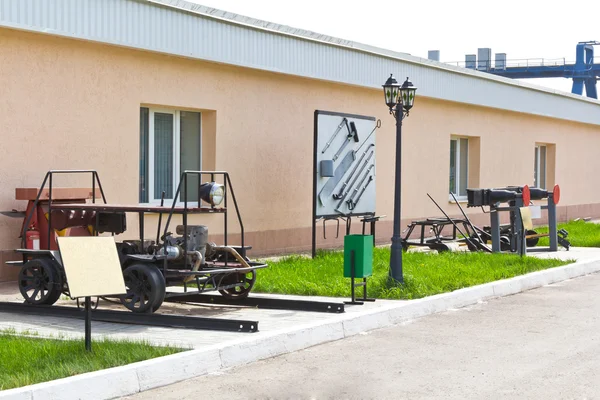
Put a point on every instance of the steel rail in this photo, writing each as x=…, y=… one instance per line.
x=127, y=317
x=262, y=302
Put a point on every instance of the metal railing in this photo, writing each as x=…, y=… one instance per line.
x=557, y=63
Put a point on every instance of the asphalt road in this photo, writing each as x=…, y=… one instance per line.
x=541, y=344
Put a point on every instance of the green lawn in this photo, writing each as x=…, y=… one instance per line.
x=424, y=274
x=25, y=360
x=581, y=233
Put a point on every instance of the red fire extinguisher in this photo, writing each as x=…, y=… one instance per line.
x=32, y=239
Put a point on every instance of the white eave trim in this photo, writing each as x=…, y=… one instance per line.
x=195, y=8
x=228, y=38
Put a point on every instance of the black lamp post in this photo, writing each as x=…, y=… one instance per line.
x=400, y=100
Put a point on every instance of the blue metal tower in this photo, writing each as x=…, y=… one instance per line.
x=583, y=72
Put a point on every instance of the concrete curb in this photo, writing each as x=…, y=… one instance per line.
x=133, y=378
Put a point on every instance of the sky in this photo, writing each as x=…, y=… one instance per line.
x=522, y=29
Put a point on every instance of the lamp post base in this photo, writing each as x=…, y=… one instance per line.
x=396, y=260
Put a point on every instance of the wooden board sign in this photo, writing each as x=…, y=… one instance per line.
x=526, y=217
x=92, y=266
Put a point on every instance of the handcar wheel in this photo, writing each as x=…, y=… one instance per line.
x=470, y=243
x=505, y=244
x=145, y=288
x=532, y=242
x=40, y=282
x=439, y=247
x=247, y=280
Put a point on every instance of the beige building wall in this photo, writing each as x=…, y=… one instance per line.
x=68, y=104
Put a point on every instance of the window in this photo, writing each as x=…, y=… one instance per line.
x=539, y=167
x=459, y=164
x=169, y=144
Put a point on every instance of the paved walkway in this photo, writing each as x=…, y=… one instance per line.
x=269, y=321
x=541, y=344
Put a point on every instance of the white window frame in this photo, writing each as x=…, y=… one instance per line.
x=176, y=153
x=537, y=169
x=458, y=172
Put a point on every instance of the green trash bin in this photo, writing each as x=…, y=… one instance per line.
x=362, y=245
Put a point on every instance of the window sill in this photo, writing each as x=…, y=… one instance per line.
x=462, y=200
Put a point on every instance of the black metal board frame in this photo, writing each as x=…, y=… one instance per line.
x=126, y=317
x=262, y=302
x=314, y=172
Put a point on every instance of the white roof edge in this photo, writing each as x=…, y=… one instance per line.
x=254, y=23
x=160, y=25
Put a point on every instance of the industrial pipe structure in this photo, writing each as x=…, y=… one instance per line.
x=517, y=197
x=493, y=198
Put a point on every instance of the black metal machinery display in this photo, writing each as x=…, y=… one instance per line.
x=514, y=237
x=469, y=234
x=556, y=236
x=493, y=198
x=148, y=266
x=436, y=226
x=343, y=171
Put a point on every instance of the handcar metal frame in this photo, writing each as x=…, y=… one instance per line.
x=226, y=271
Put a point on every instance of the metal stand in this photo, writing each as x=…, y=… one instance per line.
x=371, y=220
x=552, y=224
x=495, y=230
x=518, y=237
x=518, y=228
x=355, y=285
x=88, y=323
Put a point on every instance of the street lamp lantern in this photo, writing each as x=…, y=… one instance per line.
x=399, y=100
x=407, y=94
x=391, y=89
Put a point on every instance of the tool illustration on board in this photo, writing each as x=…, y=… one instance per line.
x=338, y=174
x=377, y=126
x=352, y=135
x=342, y=192
x=338, y=129
x=350, y=202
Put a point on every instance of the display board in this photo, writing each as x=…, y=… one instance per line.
x=92, y=265
x=344, y=164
